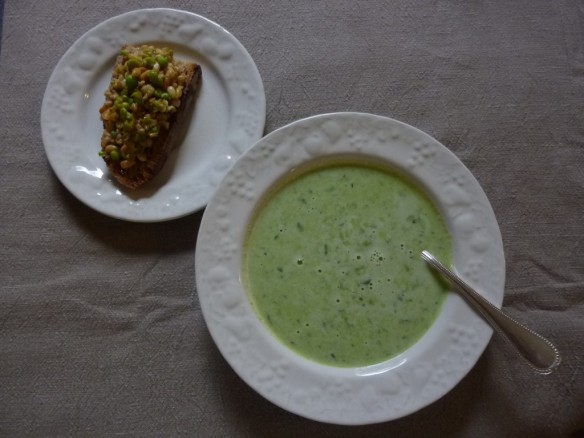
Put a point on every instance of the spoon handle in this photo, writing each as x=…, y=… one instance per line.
x=540, y=354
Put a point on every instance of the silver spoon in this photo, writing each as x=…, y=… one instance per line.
x=541, y=355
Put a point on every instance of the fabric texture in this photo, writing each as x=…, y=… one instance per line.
x=101, y=333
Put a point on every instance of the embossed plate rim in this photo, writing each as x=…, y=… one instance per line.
x=191, y=174
x=365, y=395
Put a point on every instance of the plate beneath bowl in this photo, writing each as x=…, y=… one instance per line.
x=228, y=117
x=381, y=392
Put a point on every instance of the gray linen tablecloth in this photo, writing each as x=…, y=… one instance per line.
x=101, y=333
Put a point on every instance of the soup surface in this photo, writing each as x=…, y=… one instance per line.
x=332, y=264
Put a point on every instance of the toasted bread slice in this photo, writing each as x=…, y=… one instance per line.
x=146, y=103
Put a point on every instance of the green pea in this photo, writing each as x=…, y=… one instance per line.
x=153, y=76
x=101, y=153
x=124, y=53
x=150, y=61
x=131, y=82
x=123, y=113
x=162, y=61
x=132, y=63
x=157, y=94
x=165, y=96
x=115, y=155
x=118, y=102
x=137, y=96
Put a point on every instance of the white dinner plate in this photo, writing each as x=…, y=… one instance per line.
x=228, y=117
x=380, y=392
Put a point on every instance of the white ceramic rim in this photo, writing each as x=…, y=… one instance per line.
x=364, y=395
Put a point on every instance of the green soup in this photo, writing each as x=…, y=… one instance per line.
x=332, y=264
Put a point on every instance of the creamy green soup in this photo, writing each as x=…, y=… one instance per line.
x=332, y=264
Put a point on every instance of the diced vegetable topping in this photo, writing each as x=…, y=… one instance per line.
x=144, y=93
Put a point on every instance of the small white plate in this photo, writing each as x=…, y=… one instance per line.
x=228, y=117
x=381, y=392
